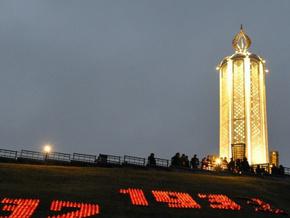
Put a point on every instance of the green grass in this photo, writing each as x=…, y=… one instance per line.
x=101, y=185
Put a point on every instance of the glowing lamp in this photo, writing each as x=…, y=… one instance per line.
x=47, y=148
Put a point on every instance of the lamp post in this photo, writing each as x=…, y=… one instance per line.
x=47, y=150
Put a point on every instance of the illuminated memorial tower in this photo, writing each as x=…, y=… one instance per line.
x=243, y=117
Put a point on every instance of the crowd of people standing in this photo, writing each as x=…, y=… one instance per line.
x=218, y=164
x=182, y=161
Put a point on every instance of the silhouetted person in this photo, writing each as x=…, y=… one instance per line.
x=258, y=170
x=238, y=166
x=194, y=162
x=183, y=160
x=102, y=159
x=252, y=170
x=231, y=165
x=204, y=164
x=151, y=160
x=224, y=163
x=208, y=161
x=245, y=167
x=175, y=160
x=281, y=170
x=263, y=171
x=186, y=161
x=274, y=170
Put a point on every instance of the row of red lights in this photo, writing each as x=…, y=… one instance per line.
x=175, y=199
x=24, y=208
x=218, y=201
x=85, y=210
x=19, y=207
x=264, y=207
x=136, y=195
x=184, y=200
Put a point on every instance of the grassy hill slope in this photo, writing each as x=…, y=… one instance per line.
x=101, y=185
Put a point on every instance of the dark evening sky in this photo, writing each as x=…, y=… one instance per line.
x=132, y=77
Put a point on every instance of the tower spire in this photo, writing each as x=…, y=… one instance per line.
x=241, y=41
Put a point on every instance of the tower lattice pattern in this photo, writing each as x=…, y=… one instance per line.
x=255, y=108
x=224, y=123
x=238, y=128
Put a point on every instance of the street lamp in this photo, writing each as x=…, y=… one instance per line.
x=47, y=150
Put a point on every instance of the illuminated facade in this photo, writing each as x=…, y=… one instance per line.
x=243, y=117
x=274, y=158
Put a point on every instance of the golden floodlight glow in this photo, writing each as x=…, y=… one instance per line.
x=243, y=117
x=218, y=161
x=47, y=148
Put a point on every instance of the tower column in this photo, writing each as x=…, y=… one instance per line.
x=248, y=107
x=230, y=99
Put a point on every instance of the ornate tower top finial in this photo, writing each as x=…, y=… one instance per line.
x=241, y=41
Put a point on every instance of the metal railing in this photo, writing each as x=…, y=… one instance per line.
x=57, y=156
x=162, y=162
x=109, y=159
x=131, y=160
x=105, y=159
x=86, y=158
x=32, y=155
x=4, y=153
x=287, y=171
x=266, y=167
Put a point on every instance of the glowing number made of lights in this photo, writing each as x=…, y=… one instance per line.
x=85, y=210
x=25, y=208
x=19, y=207
x=218, y=201
x=264, y=207
x=175, y=199
x=136, y=195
